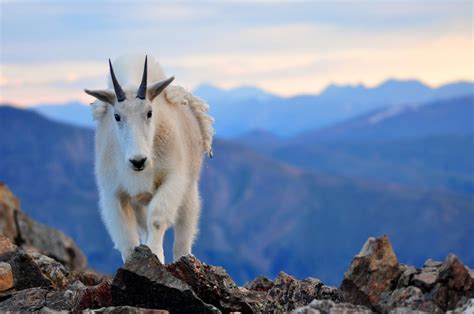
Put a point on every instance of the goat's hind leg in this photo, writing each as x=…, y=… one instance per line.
x=186, y=226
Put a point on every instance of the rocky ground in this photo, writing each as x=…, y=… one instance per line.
x=42, y=270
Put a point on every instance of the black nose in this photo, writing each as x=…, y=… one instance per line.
x=138, y=163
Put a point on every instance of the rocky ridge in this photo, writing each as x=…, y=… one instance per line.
x=42, y=275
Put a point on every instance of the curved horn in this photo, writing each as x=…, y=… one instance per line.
x=118, y=89
x=142, y=89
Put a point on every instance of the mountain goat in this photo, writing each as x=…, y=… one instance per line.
x=149, y=149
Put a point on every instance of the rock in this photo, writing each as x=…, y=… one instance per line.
x=455, y=274
x=454, y=284
x=8, y=204
x=407, y=274
x=26, y=273
x=30, y=300
x=67, y=299
x=24, y=231
x=328, y=306
x=6, y=277
x=261, y=283
x=431, y=263
x=6, y=245
x=124, y=310
x=50, y=242
x=212, y=284
x=409, y=298
x=464, y=307
x=74, y=298
x=288, y=293
x=97, y=296
x=426, y=278
x=144, y=282
x=88, y=277
x=373, y=271
x=51, y=269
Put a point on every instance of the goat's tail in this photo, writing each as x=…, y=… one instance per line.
x=201, y=110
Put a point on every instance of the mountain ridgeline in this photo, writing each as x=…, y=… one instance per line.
x=302, y=204
x=241, y=110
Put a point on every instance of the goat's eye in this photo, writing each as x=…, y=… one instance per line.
x=117, y=117
x=148, y=115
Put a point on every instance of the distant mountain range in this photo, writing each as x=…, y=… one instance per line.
x=262, y=214
x=429, y=146
x=240, y=110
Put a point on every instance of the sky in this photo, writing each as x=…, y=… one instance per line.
x=51, y=50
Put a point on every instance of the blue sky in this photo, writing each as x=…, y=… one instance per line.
x=50, y=50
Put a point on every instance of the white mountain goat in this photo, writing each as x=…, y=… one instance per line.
x=149, y=149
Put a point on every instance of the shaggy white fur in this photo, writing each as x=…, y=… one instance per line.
x=171, y=131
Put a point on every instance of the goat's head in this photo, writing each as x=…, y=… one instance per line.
x=133, y=118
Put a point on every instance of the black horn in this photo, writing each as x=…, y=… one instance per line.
x=142, y=89
x=118, y=89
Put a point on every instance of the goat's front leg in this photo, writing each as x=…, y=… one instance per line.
x=162, y=211
x=121, y=224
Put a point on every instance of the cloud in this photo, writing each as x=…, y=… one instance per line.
x=282, y=47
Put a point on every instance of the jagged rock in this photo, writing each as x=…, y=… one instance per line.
x=261, y=283
x=6, y=277
x=407, y=275
x=425, y=279
x=124, y=310
x=455, y=274
x=8, y=203
x=144, y=282
x=97, y=296
x=88, y=277
x=6, y=245
x=454, y=284
x=328, y=306
x=26, y=273
x=212, y=284
x=409, y=298
x=75, y=297
x=288, y=293
x=67, y=299
x=51, y=269
x=30, y=300
x=25, y=232
x=373, y=271
x=50, y=242
x=464, y=307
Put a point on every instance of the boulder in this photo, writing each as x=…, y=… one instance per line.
x=6, y=245
x=213, y=285
x=454, y=284
x=409, y=298
x=24, y=231
x=27, y=300
x=289, y=293
x=145, y=282
x=328, y=306
x=54, y=271
x=8, y=205
x=6, y=277
x=261, y=283
x=26, y=273
x=124, y=310
x=373, y=271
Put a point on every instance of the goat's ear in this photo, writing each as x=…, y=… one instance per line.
x=104, y=95
x=157, y=88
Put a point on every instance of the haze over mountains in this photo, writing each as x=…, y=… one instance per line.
x=303, y=204
x=245, y=109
